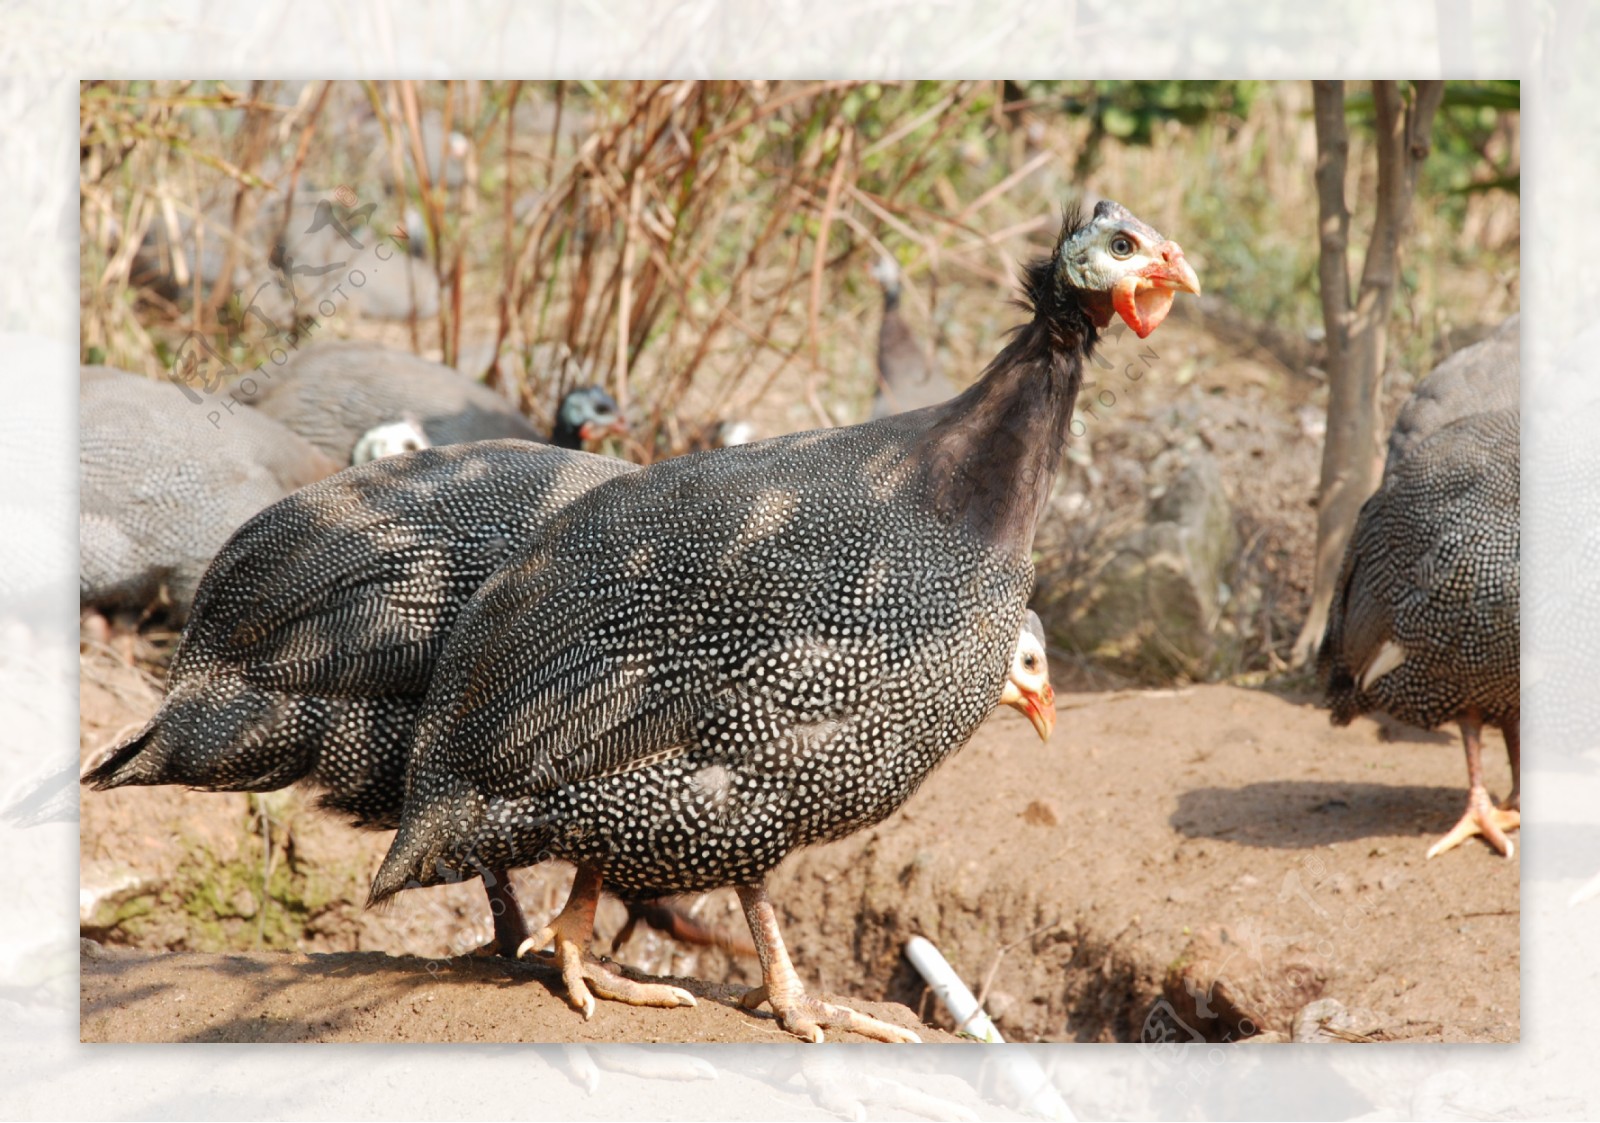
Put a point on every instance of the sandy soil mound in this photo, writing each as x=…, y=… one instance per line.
x=1206, y=862
x=368, y=996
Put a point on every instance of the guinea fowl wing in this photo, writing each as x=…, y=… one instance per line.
x=358, y=612
x=618, y=669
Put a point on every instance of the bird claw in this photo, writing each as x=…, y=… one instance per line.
x=1482, y=817
x=586, y=976
x=807, y=1017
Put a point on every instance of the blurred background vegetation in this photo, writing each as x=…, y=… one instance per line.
x=702, y=249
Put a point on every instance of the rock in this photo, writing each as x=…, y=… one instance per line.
x=104, y=889
x=999, y=1005
x=1042, y=813
x=1229, y=985
x=91, y=949
x=1151, y=609
x=1327, y=1020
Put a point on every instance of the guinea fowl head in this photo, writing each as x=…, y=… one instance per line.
x=886, y=271
x=406, y=435
x=587, y=414
x=993, y=452
x=1115, y=264
x=1028, y=688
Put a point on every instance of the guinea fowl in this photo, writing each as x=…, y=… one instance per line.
x=703, y=665
x=164, y=481
x=332, y=393
x=316, y=629
x=906, y=379
x=389, y=440
x=1424, y=624
x=161, y=486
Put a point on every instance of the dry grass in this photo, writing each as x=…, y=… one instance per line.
x=703, y=247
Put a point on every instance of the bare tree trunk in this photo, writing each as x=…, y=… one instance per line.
x=1352, y=456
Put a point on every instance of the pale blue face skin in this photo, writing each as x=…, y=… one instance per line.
x=1112, y=245
x=590, y=405
x=1116, y=253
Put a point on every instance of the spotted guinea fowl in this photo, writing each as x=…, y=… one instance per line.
x=332, y=393
x=1027, y=690
x=907, y=380
x=164, y=480
x=703, y=665
x=315, y=630
x=1424, y=624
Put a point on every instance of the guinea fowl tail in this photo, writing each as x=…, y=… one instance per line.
x=128, y=762
x=218, y=735
x=448, y=839
x=403, y=865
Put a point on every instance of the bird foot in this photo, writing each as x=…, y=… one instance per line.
x=807, y=1017
x=587, y=976
x=1482, y=817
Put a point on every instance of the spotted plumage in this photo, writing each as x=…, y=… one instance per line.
x=332, y=393
x=1428, y=596
x=163, y=480
x=706, y=664
x=1476, y=379
x=316, y=628
x=841, y=646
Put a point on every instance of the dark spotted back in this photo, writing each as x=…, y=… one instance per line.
x=316, y=629
x=1476, y=379
x=1433, y=569
x=332, y=393
x=707, y=664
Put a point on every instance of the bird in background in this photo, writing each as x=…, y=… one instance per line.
x=907, y=378
x=1425, y=620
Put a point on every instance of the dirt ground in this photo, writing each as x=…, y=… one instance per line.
x=1180, y=864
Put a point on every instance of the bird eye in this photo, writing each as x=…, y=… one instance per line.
x=1121, y=246
x=1030, y=662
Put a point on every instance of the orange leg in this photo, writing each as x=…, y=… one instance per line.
x=797, y=1012
x=1482, y=816
x=510, y=926
x=583, y=973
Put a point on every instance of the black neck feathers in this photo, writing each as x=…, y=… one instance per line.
x=992, y=457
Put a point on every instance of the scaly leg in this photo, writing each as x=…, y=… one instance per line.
x=1482, y=816
x=797, y=1012
x=510, y=926
x=665, y=917
x=570, y=932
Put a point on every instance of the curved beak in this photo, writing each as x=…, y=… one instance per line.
x=590, y=431
x=1039, y=708
x=1174, y=272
